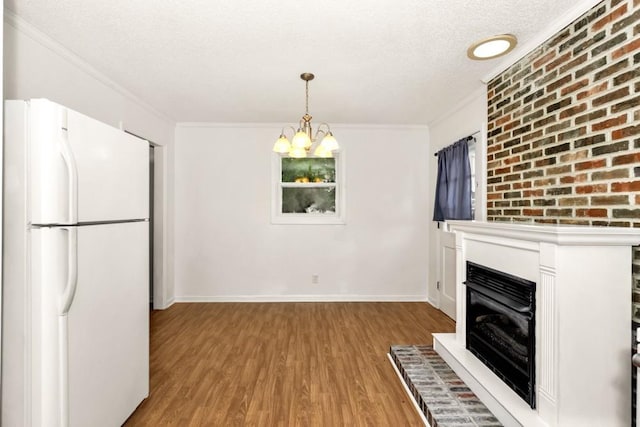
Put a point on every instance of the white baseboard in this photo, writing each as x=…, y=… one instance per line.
x=434, y=303
x=166, y=305
x=303, y=298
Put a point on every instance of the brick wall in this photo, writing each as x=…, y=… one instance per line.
x=564, y=127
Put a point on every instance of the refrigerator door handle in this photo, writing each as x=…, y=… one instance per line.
x=69, y=291
x=72, y=169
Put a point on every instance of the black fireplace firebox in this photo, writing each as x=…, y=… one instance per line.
x=501, y=326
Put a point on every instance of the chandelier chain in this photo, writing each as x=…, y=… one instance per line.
x=306, y=96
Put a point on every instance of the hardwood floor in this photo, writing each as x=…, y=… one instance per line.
x=282, y=364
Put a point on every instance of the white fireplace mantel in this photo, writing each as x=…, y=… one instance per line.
x=583, y=320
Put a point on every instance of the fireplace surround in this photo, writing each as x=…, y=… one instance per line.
x=582, y=317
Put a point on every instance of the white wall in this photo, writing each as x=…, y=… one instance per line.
x=466, y=118
x=37, y=67
x=1, y=161
x=227, y=249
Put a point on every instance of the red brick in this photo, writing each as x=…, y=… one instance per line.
x=511, y=160
x=502, y=120
x=593, y=90
x=588, y=189
x=611, y=96
x=543, y=182
x=559, y=83
x=533, y=193
x=493, y=148
x=626, y=159
x=623, y=133
x=569, y=179
x=616, y=121
x=544, y=59
x=592, y=164
x=593, y=213
x=622, y=187
x=551, y=65
x=610, y=18
x=533, y=212
x=572, y=88
x=512, y=125
x=520, y=185
x=578, y=61
x=573, y=111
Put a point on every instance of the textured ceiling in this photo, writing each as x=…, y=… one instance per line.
x=375, y=61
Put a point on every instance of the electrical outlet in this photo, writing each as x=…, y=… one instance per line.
x=315, y=279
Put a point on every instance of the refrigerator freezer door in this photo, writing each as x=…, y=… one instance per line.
x=83, y=170
x=89, y=367
x=108, y=325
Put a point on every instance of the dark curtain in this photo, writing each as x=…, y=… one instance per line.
x=453, y=186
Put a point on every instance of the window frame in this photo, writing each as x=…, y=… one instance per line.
x=278, y=217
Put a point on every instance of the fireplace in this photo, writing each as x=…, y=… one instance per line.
x=500, y=326
x=582, y=279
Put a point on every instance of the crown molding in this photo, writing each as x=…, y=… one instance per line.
x=10, y=18
x=362, y=126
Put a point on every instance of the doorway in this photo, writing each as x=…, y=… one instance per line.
x=157, y=221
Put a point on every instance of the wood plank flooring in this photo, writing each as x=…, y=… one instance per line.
x=282, y=364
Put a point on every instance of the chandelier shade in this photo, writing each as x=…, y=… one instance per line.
x=304, y=139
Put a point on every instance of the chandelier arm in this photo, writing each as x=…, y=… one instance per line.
x=325, y=124
x=319, y=131
x=287, y=128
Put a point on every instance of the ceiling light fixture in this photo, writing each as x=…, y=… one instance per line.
x=492, y=47
x=303, y=138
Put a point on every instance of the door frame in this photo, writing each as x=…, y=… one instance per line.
x=161, y=298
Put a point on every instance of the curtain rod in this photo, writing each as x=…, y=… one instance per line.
x=469, y=138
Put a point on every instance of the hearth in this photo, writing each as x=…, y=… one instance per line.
x=500, y=326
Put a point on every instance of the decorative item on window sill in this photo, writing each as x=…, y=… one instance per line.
x=303, y=139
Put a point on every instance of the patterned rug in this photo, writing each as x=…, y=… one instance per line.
x=443, y=397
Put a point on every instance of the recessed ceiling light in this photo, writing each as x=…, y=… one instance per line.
x=492, y=47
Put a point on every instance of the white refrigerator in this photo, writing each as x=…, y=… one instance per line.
x=75, y=348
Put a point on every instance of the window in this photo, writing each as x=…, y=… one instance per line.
x=308, y=190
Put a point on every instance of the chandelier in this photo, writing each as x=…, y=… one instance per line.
x=303, y=138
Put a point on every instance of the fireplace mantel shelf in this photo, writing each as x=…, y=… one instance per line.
x=566, y=235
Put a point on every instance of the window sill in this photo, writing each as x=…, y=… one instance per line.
x=307, y=219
